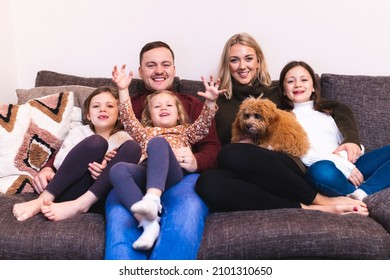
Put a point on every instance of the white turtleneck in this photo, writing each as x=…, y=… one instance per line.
x=324, y=137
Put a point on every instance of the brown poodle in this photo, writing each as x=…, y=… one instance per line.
x=258, y=121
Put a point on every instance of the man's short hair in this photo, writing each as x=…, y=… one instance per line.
x=154, y=45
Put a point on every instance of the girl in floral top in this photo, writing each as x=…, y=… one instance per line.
x=164, y=127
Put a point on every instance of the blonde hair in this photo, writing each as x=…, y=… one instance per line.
x=224, y=69
x=182, y=114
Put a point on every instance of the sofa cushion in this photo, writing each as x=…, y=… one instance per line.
x=29, y=135
x=293, y=234
x=50, y=78
x=80, y=93
x=80, y=237
x=369, y=99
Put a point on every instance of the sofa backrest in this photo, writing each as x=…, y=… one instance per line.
x=191, y=87
x=50, y=78
x=369, y=99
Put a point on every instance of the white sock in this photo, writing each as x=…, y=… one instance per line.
x=358, y=194
x=149, y=236
x=148, y=207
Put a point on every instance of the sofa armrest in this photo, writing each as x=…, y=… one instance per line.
x=379, y=207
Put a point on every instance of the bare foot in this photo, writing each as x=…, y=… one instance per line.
x=338, y=200
x=340, y=209
x=65, y=210
x=26, y=210
x=60, y=211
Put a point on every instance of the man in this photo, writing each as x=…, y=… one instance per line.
x=182, y=228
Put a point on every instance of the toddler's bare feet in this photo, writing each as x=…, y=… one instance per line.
x=60, y=211
x=25, y=210
x=340, y=209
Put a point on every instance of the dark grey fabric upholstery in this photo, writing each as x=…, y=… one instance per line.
x=369, y=99
x=379, y=207
x=293, y=234
x=81, y=237
x=191, y=87
x=50, y=78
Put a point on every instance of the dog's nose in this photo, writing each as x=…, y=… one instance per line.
x=248, y=126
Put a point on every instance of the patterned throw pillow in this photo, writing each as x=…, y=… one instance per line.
x=29, y=135
x=80, y=93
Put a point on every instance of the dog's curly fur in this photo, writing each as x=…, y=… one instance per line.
x=263, y=124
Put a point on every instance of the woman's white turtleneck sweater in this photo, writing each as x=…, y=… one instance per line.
x=324, y=137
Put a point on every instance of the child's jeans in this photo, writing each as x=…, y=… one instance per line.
x=330, y=181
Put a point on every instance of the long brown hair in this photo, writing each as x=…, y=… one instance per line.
x=118, y=125
x=182, y=114
x=224, y=68
x=286, y=103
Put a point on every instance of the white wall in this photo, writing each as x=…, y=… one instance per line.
x=88, y=37
x=8, y=71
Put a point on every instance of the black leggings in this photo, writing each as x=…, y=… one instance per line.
x=73, y=178
x=253, y=178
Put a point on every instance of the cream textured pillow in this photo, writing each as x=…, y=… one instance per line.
x=80, y=93
x=29, y=135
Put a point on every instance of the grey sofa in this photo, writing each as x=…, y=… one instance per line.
x=271, y=234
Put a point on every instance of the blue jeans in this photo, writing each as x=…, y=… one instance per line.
x=182, y=224
x=375, y=167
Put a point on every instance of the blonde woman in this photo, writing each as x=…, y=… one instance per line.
x=254, y=178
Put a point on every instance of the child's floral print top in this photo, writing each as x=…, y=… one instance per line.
x=178, y=136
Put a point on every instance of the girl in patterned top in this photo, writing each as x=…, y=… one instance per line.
x=164, y=127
